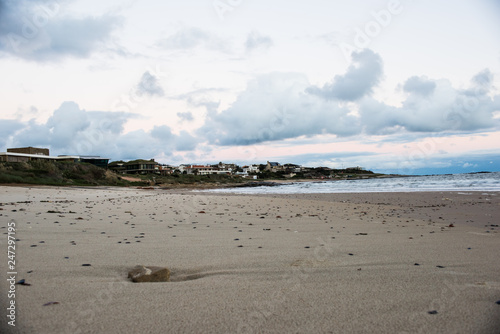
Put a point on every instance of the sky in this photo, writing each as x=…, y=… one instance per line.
x=406, y=87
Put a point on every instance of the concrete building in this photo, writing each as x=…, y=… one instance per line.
x=23, y=157
x=201, y=170
x=29, y=150
x=251, y=169
x=117, y=166
x=25, y=154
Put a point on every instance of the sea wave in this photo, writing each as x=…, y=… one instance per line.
x=487, y=182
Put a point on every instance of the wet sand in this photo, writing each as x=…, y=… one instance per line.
x=318, y=263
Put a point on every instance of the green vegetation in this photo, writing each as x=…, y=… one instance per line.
x=58, y=173
x=83, y=174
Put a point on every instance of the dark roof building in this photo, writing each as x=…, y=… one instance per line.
x=141, y=167
x=273, y=166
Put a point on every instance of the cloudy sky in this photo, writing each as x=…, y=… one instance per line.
x=409, y=87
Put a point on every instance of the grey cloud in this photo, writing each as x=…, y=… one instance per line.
x=8, y=128
x=162, y=133
x=483, y=79
x=419, y=85
x=446, y=109
x=38, y=30
x=185, y=116
x=200, y=98
x=481, y=83
x=256, y=40
x=65, y=122
x=379, y=118
x=149, y=85
x=136, y=145
x=323, y=159
x=359, y=80
x=109, y=122
x=185, y=142
x=275, y=107
x=71, y=130
x=80, y=37
x=279, y=106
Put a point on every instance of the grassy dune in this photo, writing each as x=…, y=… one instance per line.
x=83, y=174
x=59, y=173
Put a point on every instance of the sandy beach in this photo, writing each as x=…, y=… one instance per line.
x=317, y=263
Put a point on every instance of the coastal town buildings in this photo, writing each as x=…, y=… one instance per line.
x=273, y=167
x=201, y=170
x=150, y=166
x=252, y=169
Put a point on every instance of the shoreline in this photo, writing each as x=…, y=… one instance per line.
x=249, y=183
x=460, y=207
x=203, y=184
x=474, y=208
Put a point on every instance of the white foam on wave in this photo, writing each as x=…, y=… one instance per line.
x=485, y=182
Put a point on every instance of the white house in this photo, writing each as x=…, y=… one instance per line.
x=251, y=169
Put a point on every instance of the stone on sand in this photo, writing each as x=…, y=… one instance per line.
x=142, y=274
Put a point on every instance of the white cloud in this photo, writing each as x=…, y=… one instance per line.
x=469, y=165
x=274, y=107
x=434, y=106
x=185, y=142
x=280, y=106
x=185, y=116
x=71, y=130
x=229, y=82
x=361, y=77
x=419, y=85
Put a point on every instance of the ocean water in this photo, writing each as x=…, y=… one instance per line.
x=485, y=182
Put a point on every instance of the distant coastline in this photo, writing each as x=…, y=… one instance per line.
x=44, y=173
x=67, y=173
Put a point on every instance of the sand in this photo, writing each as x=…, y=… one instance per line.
x=326, y=263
